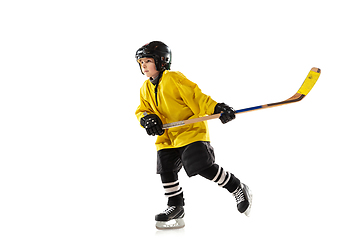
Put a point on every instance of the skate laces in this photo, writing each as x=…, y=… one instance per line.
x=239, y=195
x=169, y=210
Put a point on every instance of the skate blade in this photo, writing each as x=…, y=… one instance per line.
x=247, y=212
x=172, y=224
x=249, y=197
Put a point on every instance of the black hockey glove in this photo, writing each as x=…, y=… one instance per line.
x=228, y=112
x=152, y=125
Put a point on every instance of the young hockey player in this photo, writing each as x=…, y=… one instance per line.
x=168, y=96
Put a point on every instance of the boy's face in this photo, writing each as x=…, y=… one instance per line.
x=148, y=67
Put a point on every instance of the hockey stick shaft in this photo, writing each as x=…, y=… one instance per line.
x=305, y=88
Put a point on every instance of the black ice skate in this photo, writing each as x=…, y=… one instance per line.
x=171, y=218
x=243, y=199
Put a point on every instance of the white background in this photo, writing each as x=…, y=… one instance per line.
x=76, y=165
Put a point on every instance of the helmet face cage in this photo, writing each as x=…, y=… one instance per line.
x=159, y=52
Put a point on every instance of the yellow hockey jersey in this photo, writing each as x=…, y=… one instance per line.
x=178, y=99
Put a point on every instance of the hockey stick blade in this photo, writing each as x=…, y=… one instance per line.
x=305, y=88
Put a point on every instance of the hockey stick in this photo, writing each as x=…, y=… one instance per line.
x=305, y=88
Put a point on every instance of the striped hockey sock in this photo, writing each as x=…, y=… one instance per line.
x=222, y=177
x=172, y=189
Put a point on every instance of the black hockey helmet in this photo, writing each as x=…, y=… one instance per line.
x=158, y=51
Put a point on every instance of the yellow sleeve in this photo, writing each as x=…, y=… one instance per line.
x=199, y=103
x=142, y=108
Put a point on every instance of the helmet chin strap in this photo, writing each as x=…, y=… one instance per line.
x=155, y=81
